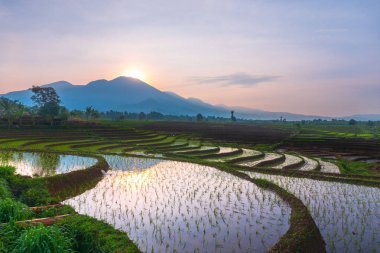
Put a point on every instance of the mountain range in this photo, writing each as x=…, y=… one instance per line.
x=133, y=95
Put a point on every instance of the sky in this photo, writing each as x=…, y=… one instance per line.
x=317, y=57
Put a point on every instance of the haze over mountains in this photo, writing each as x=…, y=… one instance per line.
x=133, y=95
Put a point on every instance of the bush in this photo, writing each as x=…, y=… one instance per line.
x=5, y=192
x=92, y=235
x=31, y=191
x=9, y=232
x=3, y=249
x=13, y=210
x=35, y=196
x=41, y=239
x=7, y=171
x=54, y=211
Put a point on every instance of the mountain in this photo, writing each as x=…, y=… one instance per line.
x=132, y=95
x=364, y=117
x=121, y=94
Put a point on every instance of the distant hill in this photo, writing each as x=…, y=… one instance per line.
x=133, y=95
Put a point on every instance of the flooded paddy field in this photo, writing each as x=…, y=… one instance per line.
x=44, y=164
x=168, y=206
x=348, y=216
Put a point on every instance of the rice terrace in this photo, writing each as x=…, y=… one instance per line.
x=181, y=192
x=189, y=126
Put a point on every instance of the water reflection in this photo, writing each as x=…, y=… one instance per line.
x=44, y=164
x=167, y=206
x=130, y=163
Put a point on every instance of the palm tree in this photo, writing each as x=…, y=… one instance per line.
x=8, y=109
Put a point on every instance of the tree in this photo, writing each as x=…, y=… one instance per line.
x=95, y=114
x=352, y=122
x=76, y=113
x=142, y=116
x=47, y=99
x=50, y=110
x=155, y=115
x=33, y=112
x=43, y=95
x=8, y=109
x=20, y=110
x=88, y=112
x=233, y=118
x=91, y=113
x=199, y=117
x=64, y=113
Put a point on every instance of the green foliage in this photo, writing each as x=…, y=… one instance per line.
x=9, y=233
x=31, y=191
x=36, y=196
x=44, y=95
x=10, y=109
x=47, y=100
x=352, y=122
x=5, y=192
x=356, y=168
x=54, y=211
x=91, y=113
x=96, y=236
x=264, y=147
x=3, y=249
x=199, y=117
x=12, y=209
x=7, y=171
x=41, y=239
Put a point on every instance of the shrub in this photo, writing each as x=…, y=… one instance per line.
x=13, y=210
x=54, y=211
x=9, y=232
x=3, y=249
x=41, y=239
x=92, y=235
x=7, y=171
x=5, y=192
x=31, y=191
x=35, y=196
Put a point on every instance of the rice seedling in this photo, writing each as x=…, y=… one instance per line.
x=178, y=207
x=289, y=160
x=328, y=167
x=268, y=157
x=310, y=164
x=348, y=216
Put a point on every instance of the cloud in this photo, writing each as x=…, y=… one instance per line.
x=238, y=79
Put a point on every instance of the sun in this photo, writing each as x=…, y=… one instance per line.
x=135, y=73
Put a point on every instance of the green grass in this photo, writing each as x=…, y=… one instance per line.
x=96, y=236
x=264, y=147
x=356, y=168
x=13, y=210
x=41, y=239
x=5, y=191
x=13, y=144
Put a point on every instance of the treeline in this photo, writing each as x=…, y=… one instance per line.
x=47, y=109
x=116, y=115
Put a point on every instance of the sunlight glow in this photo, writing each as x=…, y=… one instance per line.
x=135, y=73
